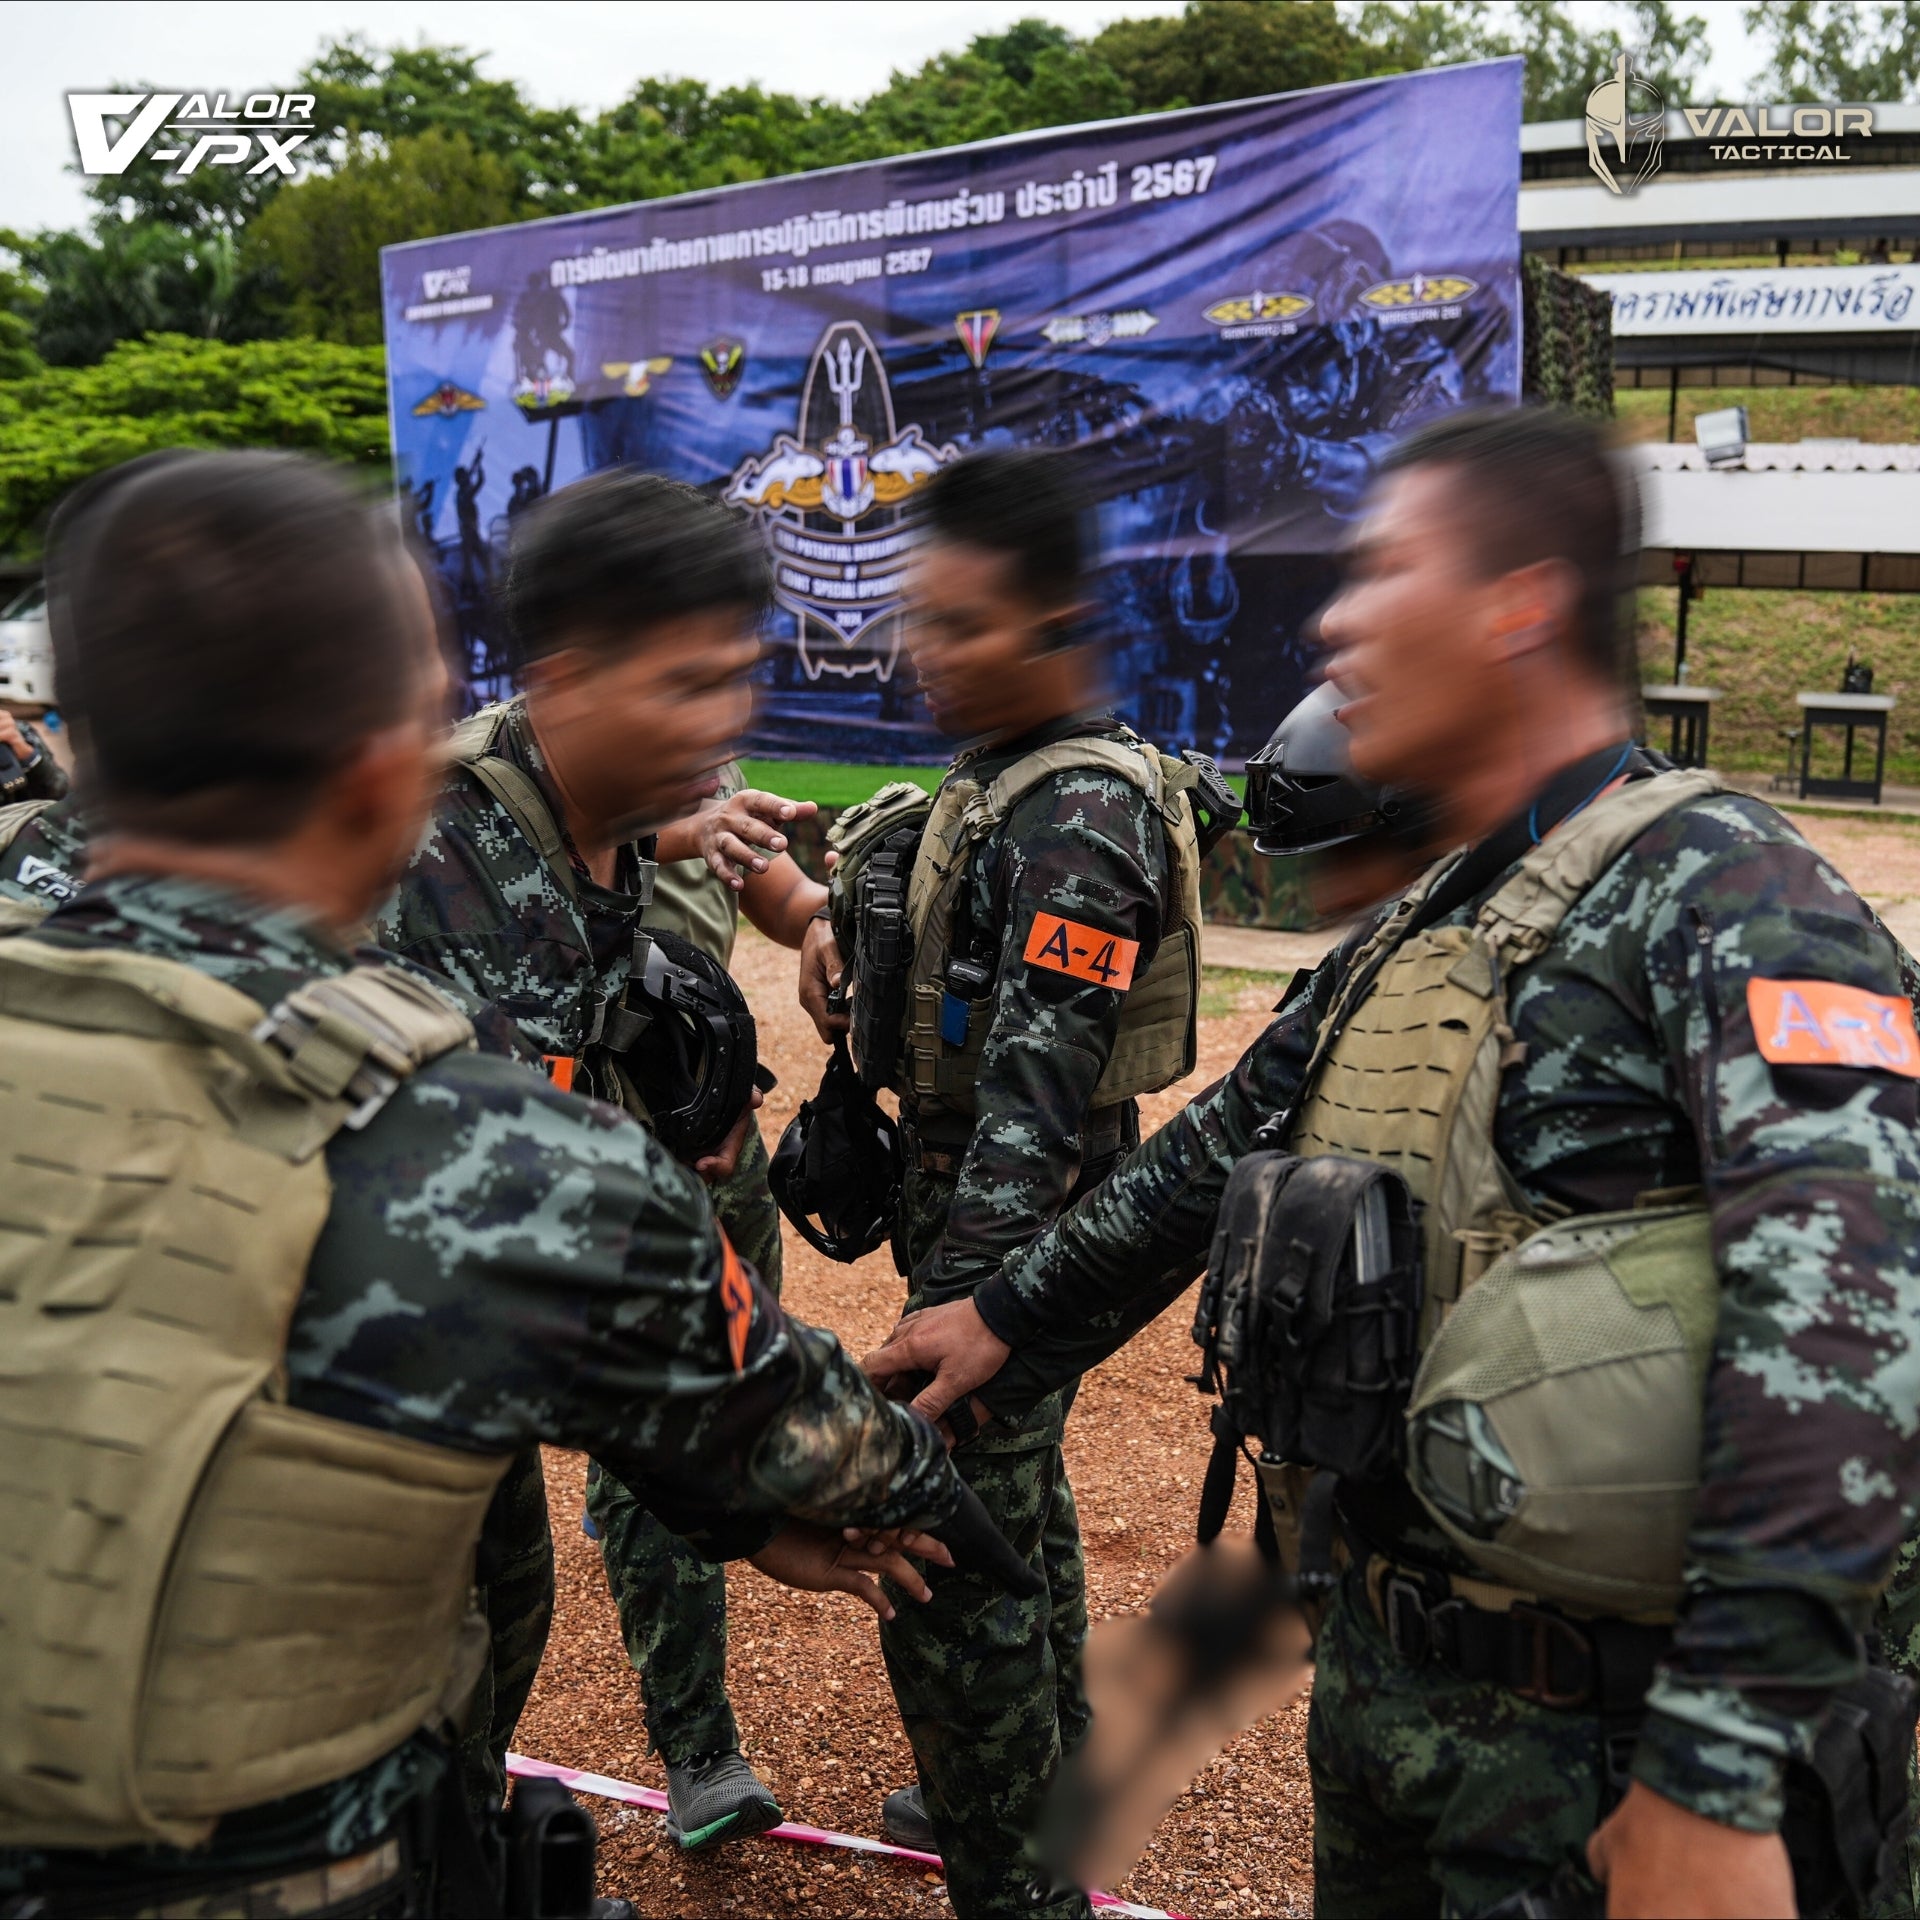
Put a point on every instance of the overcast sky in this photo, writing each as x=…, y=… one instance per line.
x=587, y=53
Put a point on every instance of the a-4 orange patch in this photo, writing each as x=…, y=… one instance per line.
x=1819, y=1023
x=736, y=1296
x=559, y=1068
x=1084, y=952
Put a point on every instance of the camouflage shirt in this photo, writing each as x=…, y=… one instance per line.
x=44, y=852
x=480, y=906
x=1088, y=846
x=1641, y=1069
x=506, y=1264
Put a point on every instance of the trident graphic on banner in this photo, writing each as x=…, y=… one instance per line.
x=848, y=491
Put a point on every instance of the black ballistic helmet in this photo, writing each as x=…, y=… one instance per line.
x=687, y=1041
x=836, y=1171
x=1303, y=795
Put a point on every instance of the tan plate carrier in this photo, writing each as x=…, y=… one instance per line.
x=1158, y=1036
x=208, y=1598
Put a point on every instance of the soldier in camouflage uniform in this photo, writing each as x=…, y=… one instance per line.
x=527, y=891
x=501, y=1264
x=672, y=1603
x=1634, y=1066
x=990, y=1690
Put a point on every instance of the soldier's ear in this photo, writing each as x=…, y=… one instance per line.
x=1534, y=607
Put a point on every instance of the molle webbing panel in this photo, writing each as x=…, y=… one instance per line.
x=1158, y=1036
x=1409, y=1072
x=163, y=1192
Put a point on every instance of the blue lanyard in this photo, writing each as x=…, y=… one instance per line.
x=1612, y=774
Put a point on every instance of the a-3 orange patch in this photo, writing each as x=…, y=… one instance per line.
x=1819, y=1023
x=559, y=1068
x=1085, y=953
x=736, y=1296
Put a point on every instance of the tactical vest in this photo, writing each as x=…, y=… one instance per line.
x=211, y=1598
x=1554, y=1428
x=1157, y=1040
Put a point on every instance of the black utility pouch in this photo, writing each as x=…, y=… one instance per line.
x=1310, y=1310
x=1848, y=1809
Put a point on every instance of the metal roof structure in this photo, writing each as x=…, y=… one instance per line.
x=1812, y=514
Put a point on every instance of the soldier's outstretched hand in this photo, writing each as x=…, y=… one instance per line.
x=743, y=833
x=952, y=1343
x=1656, y=1858
x=821, y=1560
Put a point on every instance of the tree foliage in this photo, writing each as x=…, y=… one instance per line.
x=321, y=240
x=58, y=424
x=1820, y=50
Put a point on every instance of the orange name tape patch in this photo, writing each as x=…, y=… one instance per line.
x=736, y=1295
x=1819, y=1023
x=1086, y=953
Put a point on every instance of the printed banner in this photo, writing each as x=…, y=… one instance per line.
x=1230, y=312
x=1761, y=300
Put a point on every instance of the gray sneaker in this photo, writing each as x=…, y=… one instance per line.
x=903, y=1819
x=717, y=1799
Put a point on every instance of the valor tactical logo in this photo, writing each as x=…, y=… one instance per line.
x=1257, y=315
x=723, y=361
x=848, y=462
x=43, y=877
x=976, y=331
x=635, y=376
x=1096, y=329
x=205, y=129
x=1419, y=296
x=1628, y=110
x=446, y=400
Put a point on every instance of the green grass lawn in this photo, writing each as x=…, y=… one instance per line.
x=830, y=783
x=1761, y=648
x=1777, y=413
x=841, y=784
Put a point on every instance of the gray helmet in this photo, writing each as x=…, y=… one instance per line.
x=1303, y=795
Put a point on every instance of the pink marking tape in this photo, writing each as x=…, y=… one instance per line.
x=608, y=1788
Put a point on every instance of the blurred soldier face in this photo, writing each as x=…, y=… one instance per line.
x=1419, y=637
x=975, y=635
x=635, y=725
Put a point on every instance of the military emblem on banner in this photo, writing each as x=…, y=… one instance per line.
x=828, y=495
x=976, y=331
x=635, y=376
x=446, y=400
x=1249, y=309
x=1419, y=290
x=1097, y=329
x=723, y=361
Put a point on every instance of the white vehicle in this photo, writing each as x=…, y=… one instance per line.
x=26, y=650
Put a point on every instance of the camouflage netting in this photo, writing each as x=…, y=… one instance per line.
x=1567, y=331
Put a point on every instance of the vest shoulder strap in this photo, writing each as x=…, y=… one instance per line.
x=1522, y=918
x=329, y=1055
x=473, y=748
x=1131, y=759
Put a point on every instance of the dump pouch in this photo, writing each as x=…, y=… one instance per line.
x=1307, y=1323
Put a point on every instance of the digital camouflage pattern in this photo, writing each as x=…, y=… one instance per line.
x=507, y=1265
x=480, y=906
x=989, y=1686
x=1640, y=1070
x=43, y=852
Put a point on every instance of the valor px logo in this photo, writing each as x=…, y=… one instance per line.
x=260, y=135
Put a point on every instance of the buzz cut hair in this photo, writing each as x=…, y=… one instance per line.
x=1539, y=483
x=606, y=560
x=227, y=628
x=1022, y=502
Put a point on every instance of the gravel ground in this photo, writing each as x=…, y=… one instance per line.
x=805, y=1671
